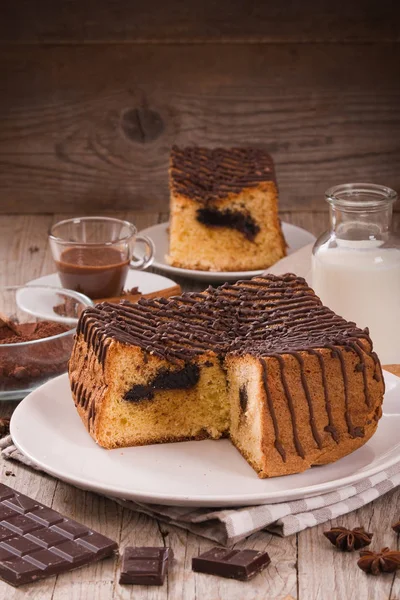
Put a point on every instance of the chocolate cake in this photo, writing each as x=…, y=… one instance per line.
x=224, y=209
x=261, y=361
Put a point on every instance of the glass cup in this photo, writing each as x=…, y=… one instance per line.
x=94, y=254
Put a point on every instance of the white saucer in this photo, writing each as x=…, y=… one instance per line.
x=296, y=238
x=204, y=473
x=146, y=282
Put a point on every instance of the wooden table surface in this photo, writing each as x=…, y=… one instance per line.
x=304, y=566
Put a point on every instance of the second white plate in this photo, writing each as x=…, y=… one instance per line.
x=47, y=429
x=146, y=282
x=296, y=238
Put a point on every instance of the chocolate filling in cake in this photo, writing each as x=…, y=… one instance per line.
x=243, y=398
x=183, y=379
x=233, y=219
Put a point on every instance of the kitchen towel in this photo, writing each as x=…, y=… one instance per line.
x=230, y=525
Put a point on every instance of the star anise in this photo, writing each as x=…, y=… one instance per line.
x=348, y=540
x=396, y=527
x=385, y=561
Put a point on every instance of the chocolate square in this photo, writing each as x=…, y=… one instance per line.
x=233, y=564
x=20, y=545
x=145, y=566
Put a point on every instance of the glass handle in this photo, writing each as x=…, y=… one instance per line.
x=148, y=257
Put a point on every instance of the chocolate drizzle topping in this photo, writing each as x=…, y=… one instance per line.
x=266, y=317
x=307, y=394
x=330, y=428
x=277, y=443
x=336, y=353
x=297, y=443
x=205, y=174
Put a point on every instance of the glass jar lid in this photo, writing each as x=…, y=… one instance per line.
x=360, y=196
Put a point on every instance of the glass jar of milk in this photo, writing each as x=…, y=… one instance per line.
x=356, y=264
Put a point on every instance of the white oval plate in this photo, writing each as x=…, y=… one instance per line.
x=146, y=282
x=296, y=238
x=41, y=301
x=47, y=429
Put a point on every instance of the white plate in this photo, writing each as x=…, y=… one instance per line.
x=47, y=429
x=146, y=282
x=296, y=238
x=41, y=302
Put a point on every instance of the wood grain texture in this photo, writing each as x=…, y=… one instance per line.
x=327, y=573
x=197, y=21
x=304, y=567
x=88, y=128
x=395, y=369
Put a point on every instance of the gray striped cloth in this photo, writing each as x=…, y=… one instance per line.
x=230, y=525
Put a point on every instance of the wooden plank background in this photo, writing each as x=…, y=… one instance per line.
x=93, y=95
x=198, y=20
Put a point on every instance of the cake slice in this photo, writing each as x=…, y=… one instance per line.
x=152, y=382
x=223, y=210
x=263, y=361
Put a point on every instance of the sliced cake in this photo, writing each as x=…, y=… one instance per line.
x=262, y=361
x=223, y=210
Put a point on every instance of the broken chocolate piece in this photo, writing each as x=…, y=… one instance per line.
x=37, y=541
x=233, y=564
x=145, y=566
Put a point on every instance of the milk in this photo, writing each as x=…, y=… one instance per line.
x=360, y=281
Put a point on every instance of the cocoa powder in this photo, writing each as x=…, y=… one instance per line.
x=28, y=332
x=25, y=367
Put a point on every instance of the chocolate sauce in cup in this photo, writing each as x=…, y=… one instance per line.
x=94, y=254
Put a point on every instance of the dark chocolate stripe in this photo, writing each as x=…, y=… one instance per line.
x=296, y=439
x=307, y=394
x=378, y=375
x=337, y=353
x=330, y=427
x=363, y=368
x=91, y=415
x=277, y=442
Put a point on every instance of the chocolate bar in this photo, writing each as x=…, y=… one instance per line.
x=145, y=566
x=37, y=541
x=234, y=564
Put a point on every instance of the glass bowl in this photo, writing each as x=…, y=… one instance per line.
x=37, y=328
